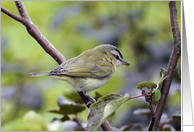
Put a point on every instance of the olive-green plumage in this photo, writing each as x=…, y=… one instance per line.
x=89, y=70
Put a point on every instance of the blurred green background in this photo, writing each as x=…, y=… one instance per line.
x=141, y=31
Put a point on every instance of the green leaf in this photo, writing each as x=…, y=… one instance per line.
x=147, y=84
x=168, y=127
x=61, y=112
x=74, y=97
x=157, y=94
x=67, y=107
x=163, y=77
x=126, y=127
x=162, y=72
x=97, y=95
x=103, y=108
x=20, y=125
x=31, y=121
x=142, y=111
x=175, y=118
x=151, y=85
x=64, y=118
x=131, y=127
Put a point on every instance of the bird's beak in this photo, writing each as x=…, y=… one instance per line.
x=125, y=62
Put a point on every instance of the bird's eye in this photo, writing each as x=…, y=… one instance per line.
x=117, y=57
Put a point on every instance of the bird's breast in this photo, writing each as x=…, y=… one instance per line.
x=86, y=85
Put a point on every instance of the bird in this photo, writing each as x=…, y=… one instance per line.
x=89, y=70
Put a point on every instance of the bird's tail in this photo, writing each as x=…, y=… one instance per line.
x=44, y=73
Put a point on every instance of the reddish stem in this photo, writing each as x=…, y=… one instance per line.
x=142, y=95
x=17, y=18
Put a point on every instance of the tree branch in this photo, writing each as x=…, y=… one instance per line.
x=34, y=32
x=46, y=45
x=106, y=126
x=172, y=63
x=22, y=10
x=17, y=18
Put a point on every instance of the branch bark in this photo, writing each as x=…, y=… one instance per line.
x=176, y=52
x=46, y=45
x=17, y=18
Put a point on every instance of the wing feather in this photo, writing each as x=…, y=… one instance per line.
x=77, y=67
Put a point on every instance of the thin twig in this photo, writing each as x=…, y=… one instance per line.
x=142, y=95
x=76, y=119
x=17, y=18
x=153, y=113
x=171, y=65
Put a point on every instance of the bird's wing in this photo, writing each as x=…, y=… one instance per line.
x=79, y=68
